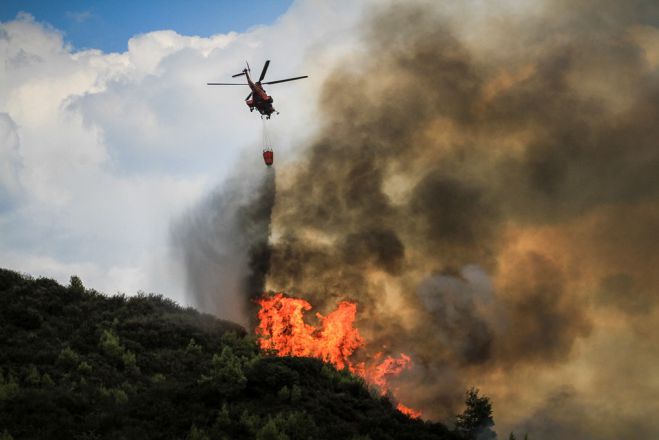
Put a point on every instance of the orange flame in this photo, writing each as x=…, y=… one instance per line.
x=282, y=329
x=411, y=413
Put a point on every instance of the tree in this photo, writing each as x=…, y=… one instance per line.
x=476, y=421
x=67, y=357
x=46, y=380
x=197, y=434
x=33, y=377
x=8, y=388
x=284, y=393
x=110, y=344
x=226, y=373
x=76, y=284
x=296, y=394
x=269, y=431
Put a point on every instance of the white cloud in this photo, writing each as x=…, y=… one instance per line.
x=101, y=150
x=79, y=16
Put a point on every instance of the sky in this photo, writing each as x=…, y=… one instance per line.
x=105, y=143
x=108, y=25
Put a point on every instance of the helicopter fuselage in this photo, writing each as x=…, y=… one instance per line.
x=260, y=100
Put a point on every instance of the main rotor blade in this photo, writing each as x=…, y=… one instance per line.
x=226, y=84
x=265, y=69
x=284, y=80
x=237, y=74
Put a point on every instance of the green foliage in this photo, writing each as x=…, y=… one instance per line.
x=46, y=380
x=197, y=434
x=84, y=368
x=116, y=394
x=76, y=284
x=270, y=431
x=226, y=374
x=76, y=364
x=32, y=377
x=110, y=344
x=158, y=378
x=4, y=435
x=113, y=348
x=67, y=357
x=284, y=394
x=296, y=394
x=193, y=347
x=476, y=421
x=8, y=387
x=223, y=419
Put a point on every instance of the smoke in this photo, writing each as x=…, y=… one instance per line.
x=486, y=185
x=223, y=243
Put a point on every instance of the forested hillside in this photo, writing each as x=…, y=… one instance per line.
x=76, y=364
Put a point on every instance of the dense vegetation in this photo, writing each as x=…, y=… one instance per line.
x=75, y=364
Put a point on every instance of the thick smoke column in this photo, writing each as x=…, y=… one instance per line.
x=486, y=186
x=223, y=243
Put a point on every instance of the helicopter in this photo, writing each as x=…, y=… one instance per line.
x=258, y=99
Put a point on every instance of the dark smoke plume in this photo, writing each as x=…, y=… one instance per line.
x=223, y=242
x=486, y=186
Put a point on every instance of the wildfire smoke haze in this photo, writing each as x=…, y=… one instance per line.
x=485, y=186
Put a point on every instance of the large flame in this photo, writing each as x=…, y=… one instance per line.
x=282, y=329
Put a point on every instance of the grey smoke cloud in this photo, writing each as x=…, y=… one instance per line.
x=485, y=184
x=481, y=181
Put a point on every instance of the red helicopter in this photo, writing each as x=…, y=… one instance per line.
x=258, y=98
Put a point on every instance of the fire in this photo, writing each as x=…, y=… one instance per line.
x=282, y=329
x=411, y=413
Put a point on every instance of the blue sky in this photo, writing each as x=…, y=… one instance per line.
x=108, y=25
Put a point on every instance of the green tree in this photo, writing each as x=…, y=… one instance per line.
x=129, y=360
x=110, y=344
x=112, y=347
x=226, y=373
x=300, y=426
x=32, y=377
x=8, y=387
x=296, y=394
x=193, y=347
x=284, y=393
x=270, y=431
x=67, y=357
x=46, y=380
x=84, y=368
x=196, y=434
x=76, y=284
x=250, y=422
x=476, y=421
x=223, y=419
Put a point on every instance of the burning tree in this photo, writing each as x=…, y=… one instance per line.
x=282, y=330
